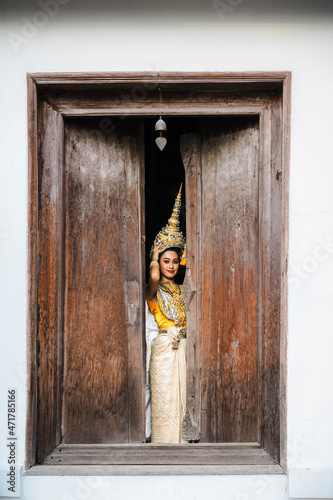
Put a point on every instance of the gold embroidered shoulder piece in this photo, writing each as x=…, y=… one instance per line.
x=171, y=303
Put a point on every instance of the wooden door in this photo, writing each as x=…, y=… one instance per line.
x=222, y=283
x=103, y=376
x=230, y=280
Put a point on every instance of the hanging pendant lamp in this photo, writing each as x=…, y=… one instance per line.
x=160, y=128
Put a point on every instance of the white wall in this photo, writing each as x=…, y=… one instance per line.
x=239, y=35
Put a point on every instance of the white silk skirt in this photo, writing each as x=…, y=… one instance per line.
x=167, y=374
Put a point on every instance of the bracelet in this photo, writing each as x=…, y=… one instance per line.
x=154, y=263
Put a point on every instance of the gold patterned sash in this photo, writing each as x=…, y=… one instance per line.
x=175, y=339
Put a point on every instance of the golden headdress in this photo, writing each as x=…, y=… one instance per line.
x=171, y=235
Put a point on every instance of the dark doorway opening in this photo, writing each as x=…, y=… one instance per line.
x=164, y=172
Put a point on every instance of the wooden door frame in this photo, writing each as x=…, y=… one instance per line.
x=136, y=94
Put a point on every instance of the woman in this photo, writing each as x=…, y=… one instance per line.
x=167, y=366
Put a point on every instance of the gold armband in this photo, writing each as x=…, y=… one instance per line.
x=154, y=263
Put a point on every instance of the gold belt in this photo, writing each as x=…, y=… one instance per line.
x=181, y=334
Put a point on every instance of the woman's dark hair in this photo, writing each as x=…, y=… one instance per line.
x=172, y=249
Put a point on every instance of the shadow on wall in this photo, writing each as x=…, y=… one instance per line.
x=216, y=10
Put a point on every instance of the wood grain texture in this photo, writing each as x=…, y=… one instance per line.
x=286, y=113
x=270, y=276
x=114, y=94
x=150, y=454
x=190, y=148
x=49, y=278
x=185, y=107
x=154, y=470
x=103, y=331
x=142, y=101
x=259, y=79
x=32, y=316
x=230, y=281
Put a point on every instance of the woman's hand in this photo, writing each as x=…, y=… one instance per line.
x=156, y=250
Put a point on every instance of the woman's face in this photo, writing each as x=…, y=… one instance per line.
x=169, y=265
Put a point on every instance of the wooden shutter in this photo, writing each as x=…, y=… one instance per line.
x=91, y=372
x=49, y=286
x=190, y=148
x=222, y=285
x=230, y=284
x=103, y=342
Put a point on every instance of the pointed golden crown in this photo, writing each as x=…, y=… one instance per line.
x=171, y=235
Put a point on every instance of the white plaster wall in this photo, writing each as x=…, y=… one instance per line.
x=239, y=35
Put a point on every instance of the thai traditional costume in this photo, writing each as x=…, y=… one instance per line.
x=167, y=369
x=166, y=349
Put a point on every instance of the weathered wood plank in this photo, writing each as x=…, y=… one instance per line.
x=184, y=448
x=32, y=316
x=183, y=108
x=190, y=148
x=103, y=341
x=167, y=459
x=150, y=454
x=286, y=113
x=131, y=96
x=270, y=276
x=49, y=278
x=154, y=470
x=103, y=78
x=133, y=230
x=230, y=280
